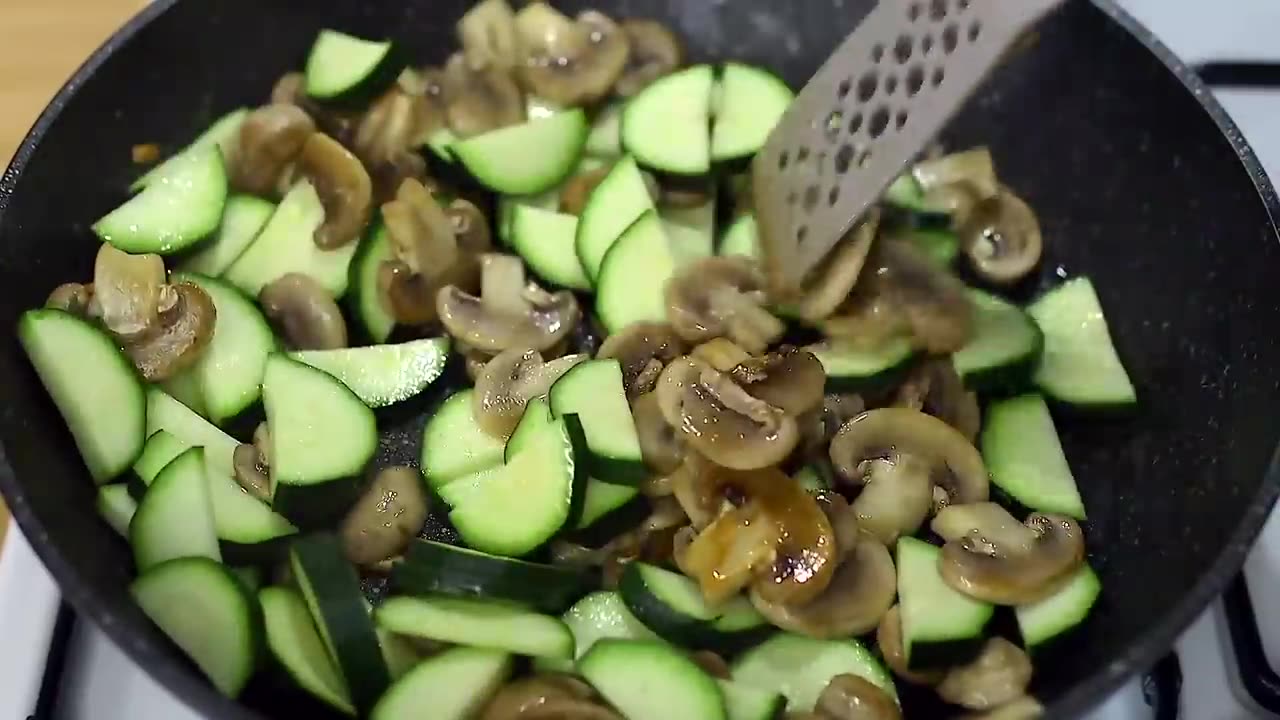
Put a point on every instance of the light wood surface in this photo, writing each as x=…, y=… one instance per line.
x=41, y=43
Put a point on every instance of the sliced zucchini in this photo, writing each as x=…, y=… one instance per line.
x=666, y=125
x=494, y=624
x=174, y=213
x=455, y=685
x=741, y=238
x=545, y=239
x=525, y=159
x=322, y=435
x=744, y=702
x=942, y=245
x=175, y=516
x=615, y=204
x=595, y=392
x=296, y=645
x=514, y=508
x=605, y=138
x=751, y=102
x=93, y=385
x=1079, y=366
x=1024, y=456
x=364, y=301
x=940, y=626
x=207, y=612
x=672, y=606
x=649, y=680
x=399, y=653
x=633, y=277
x=229, y=370
x=813, y=478
x=165, y=413
x=224, y=134
x=185, y=388
x=800, y=667
x=440, y=142
x=382, y=375
x=248, y=530
x=601, y=500
x=331, y=589
x=286, y=244
x=346, y=69
x=906, y=201
x=1043, y=620
x=603, y=614
x=691, y=231
x=855, y=369
x=161, y=448
x=454, y=446
x=1004, y=350
x=117, y=507
x=435, y=568
x=242, y=219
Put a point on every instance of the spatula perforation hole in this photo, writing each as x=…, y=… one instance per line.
x=802, y=232
x=915, y=79
x=938, y=76
x=844, y=157
x=926, y=44
x=913, y=11
x=900, y=119
x=879, y=121
x=902, y=49
x=867, y=85
x=864, y=157
x=950, y=38
x=810, y=200
x=975, y=29
x=833, y=196
x=938, y=9
x=890, y=84
x=877, y=53
x=855, y=123
x=832, y=127
x=842, y=90
x=784, y=159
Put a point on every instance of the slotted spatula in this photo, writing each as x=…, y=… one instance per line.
x=866, y=114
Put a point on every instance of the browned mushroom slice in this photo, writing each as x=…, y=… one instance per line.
x=480, y=99
x=344, y=188
x=850, y=697
x=844, y=521
x=991, y=556
x=75, y=298
x=722, y=297
x=470, y=227
x=660, y=445
x=386, y=517
x=836, y=277
x=252, y=472
x=508, y=314
x=935, y=388
x=1000, y=674
x=896, y=498
x=570, y=63
x=789, y=379
x=1019, y=708
x=1001, y=238
x=304, y=313
x=655, y=51
x=509, y=381
x=973, y=167
x=867, y=319
x=643, y=350
x=127, y=291
x=271, y=137
x=521, y=697
x=889, y=640
x=398, y=120
x=933, y=301
x=487, y=33
x=859, y=594
x=184, y=330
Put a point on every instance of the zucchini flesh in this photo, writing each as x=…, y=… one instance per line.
x=620, y=198
x=174, y=213
x=741, y=238
x=493, y=624
x=161, y=448
x=435, y=568
x=224, y=134
x=93, y=385
x=454, y=446
x=1049, y=618
x=208, y=613
x=455, y=685
x=648, y=680
x=594, y=391
x=1004, y=350
x=605, y=138
x=800, y=667
x=1079, y=366
x=382, y=375
x=117, y=507
x=526, y=159
x=344, y=68
x=242, y=218
x=940, y=626
x=743, y=702
x=1024, y=456
x=545, y=240
x=364, y=300
x=165, y=413
x=672, y=606
x=633, y=277
x=296, y=645
x=751, y=102
x=855, y=369
x=603, y=614
x=666, y=125
x=175, y=517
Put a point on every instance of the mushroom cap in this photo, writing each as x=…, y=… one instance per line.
x=429, y=254
x=304, y=312
x=386, y=517
x=973, y=167
x=844, y=521
x=655, y=51
x=896, y=498
x=536, y=320
x=480, y=99
x=570, y=63
x=509, y=381
x=933, y=302
x=836, y=277
x=344, y=187
x=910, y=432
x=640, y=348
x=990, y=556
x=182, y=333
x=271, y=137
x=127, y=291
x=487, y=33
x=1000, y=674
x=790, y=379
x=75, y=298
x=889, y=640
x=660, y=445
x=722, y=297
x=1001, y=238
x=1019, y=708
x=851, y=697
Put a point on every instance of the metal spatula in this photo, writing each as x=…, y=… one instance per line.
x=869, y=111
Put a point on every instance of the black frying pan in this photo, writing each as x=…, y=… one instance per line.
x=1139, y=178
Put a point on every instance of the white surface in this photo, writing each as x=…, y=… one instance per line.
x=100, y=683
x=28, y=609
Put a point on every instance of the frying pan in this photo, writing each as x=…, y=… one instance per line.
x=1139, y=178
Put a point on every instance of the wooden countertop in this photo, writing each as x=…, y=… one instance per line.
x=41, y=43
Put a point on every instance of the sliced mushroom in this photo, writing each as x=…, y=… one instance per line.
x=519, y=699
x=184, y=330
x=271, y=138
x=488, y=35
x=896, y=497
x=470, y=227
x=508, y=314
x=889, y=640
x=859, y=594
x=509, y=381
x=251, y=472
x=789, y=379
x=480, y=99
x=570, y=63
x=344, y=188
x=820, y=424
x=974, y=167
x=397, y=121
x=660, y=445
x=1020, y=708
x=262, y=443
x=1000, y=674
x=574, y=194
x=1001, y=238
x=836, y=277
x=127, y=291
x=388, y=176
x=655, y=52
x=868, y=319
x=991, y=556
x=711, y=663
x=386, y=517
x=956, y=464
x=844, y=522
x=643, y=349
x=721, y=420
x=935, y=388
x=75, y=298
x=722, y=297
x=851, y=697
x=304, y=313
x=933, y=302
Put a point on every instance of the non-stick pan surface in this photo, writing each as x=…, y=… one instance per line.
x=1139, y=178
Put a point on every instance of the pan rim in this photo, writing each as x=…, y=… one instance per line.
x=190, y=689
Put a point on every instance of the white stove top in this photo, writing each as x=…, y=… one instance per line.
x=99, y=683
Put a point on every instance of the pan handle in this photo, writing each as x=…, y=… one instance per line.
x=1239, y=74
